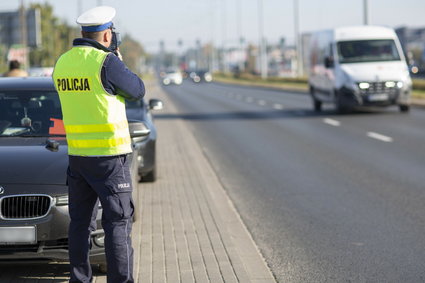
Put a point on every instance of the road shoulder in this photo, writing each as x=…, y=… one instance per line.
x=190, y=230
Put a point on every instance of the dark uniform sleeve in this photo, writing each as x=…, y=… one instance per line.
x=117, y=79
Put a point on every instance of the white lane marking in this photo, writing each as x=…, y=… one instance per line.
x=380, y=137
x=261, y=102
x=249, y=99
x=332, y=122
x=278, y=106
x=238, y=97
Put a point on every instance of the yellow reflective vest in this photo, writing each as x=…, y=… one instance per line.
x=95, y=121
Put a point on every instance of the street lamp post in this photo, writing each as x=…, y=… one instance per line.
x=297, y=39
x=239, y=33
x=261, y=43
x=212, y=62
x=24, y=32
x=224, y=36
x=366, y=19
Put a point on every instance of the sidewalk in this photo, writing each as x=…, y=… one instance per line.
x=190, y=231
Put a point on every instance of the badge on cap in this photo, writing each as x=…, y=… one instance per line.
x=96, y=19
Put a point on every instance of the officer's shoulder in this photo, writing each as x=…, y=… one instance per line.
x=112, y=59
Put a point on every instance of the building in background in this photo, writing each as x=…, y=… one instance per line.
x=413, y=43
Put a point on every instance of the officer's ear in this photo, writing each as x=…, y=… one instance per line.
x=107, y=37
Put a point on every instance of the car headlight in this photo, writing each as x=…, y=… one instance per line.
x=208, y=77
x=62, y=200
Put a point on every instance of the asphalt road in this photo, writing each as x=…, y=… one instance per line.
x=327, y=197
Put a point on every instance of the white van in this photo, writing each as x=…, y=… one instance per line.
x=358, y=66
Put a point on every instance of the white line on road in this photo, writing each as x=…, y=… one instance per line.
x=261, y=102
x=332, y=122
x=238, y=97
x=249, y=99
x=278, y=106
x=380, y=137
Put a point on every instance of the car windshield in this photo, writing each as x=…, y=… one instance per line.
x=30, y=113
x=367, y=51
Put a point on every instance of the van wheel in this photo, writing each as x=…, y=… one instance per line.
x=339, y=106
x=317, y=104
x=404, y=108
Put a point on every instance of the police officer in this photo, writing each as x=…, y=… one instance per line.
x=93, y=84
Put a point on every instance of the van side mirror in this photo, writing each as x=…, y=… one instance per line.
x=329, y=62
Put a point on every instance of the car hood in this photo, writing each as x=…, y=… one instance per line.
x=376, y=71
x=28, y=161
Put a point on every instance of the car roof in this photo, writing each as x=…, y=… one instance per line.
x=27, y=83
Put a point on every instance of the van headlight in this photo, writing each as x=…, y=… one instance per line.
x=364, y=85
x=400, y=84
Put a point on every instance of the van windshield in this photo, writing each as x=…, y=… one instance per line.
x=367, y=51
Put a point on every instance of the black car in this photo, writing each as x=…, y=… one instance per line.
x=141, y=111
x=33, y=161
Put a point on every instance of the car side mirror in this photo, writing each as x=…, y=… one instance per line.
x=329, y=62
x=156, y=104
x=138, y=129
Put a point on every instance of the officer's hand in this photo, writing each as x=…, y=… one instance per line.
x=118, y=53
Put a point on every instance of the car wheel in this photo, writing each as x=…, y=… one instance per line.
x=404, y=108
x=150, y=176
x=103, y=268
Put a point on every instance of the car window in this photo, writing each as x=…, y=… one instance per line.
x=30, y=113
x=134, y=104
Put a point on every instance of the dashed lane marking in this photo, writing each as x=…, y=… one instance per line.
x=278, y=106
x=249, y=99
x=379, y=137
x=332, y=122
x=261, y=102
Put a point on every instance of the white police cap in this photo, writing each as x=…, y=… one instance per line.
x=96, y=19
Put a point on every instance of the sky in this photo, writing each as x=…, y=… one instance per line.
x=223, y=22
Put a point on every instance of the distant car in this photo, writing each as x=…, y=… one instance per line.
x=40, y=71
x=33, y=160
x=201, y=76
x=172, y=77
x=146, y=154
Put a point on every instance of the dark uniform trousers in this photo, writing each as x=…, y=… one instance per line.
x=107, y=179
